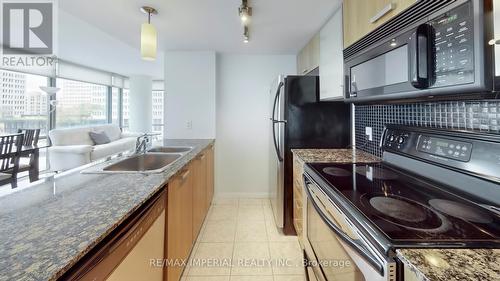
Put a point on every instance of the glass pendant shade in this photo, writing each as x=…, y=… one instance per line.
x=148, y=41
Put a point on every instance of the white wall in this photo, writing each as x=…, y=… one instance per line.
x=190, y=95
x=140, y=103
x=243, y=137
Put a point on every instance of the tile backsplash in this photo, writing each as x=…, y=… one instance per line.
x=481, y=116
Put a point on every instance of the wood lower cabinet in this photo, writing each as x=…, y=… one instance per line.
x=363, y=16
x=210, y=175
x=199, y=192
x=298, y=198
x=189, y=197
x=179, y=221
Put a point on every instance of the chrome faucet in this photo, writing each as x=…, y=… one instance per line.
x=141, y=144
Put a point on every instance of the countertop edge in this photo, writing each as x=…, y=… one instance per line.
x=411, y=266
x=335, y=155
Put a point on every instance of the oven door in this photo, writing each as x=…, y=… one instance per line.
x=338, y=251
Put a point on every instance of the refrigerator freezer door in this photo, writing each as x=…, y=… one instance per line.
x=277, y=168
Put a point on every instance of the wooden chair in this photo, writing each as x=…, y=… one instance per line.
x=30, y=136
x=10, y=148
x=30, y=139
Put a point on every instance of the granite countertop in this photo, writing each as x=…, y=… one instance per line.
x=334, y=155
x=46, y=228
x=452, y=264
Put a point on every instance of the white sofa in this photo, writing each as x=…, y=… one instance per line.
x=73, y=147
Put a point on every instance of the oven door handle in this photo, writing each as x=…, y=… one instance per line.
x=362, y=251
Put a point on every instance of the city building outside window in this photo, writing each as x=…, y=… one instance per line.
x=115, y=106
x=80, y=104
x=22, y=104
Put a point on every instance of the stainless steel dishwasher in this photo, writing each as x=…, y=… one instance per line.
x=127, y=253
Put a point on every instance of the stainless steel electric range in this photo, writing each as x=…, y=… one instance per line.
x=433, y=189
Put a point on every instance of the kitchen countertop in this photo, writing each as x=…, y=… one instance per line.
x=452, y=264
x=334, y=155
x=46, y=228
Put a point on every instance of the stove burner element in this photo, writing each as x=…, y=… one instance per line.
x=376, y=173
x=336, y=172
x=406, y=213
x=398, y=209
x=460, y=211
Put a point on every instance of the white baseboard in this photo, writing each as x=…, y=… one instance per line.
x=256, y=195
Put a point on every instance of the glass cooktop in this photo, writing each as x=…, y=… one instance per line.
x=407, y=208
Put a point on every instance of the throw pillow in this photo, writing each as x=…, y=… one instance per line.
x=99, y=137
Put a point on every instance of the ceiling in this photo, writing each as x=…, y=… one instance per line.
x=277, y=27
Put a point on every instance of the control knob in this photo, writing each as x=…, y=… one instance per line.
x=401, y=140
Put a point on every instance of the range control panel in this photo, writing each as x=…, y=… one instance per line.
x=471, y=152
x=420, y=143
x=396, y=139
x=451, y=149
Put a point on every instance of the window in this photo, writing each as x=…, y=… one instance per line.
x=125, y=108
x=80, y=104
x=157, y=111
x=158, y=97
x=115, y=106
x=22, y=104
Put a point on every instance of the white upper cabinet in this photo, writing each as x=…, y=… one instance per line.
x=331, y=60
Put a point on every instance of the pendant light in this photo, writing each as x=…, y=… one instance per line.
x=149, y=37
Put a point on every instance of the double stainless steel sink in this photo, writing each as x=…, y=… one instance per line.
x=155, y=160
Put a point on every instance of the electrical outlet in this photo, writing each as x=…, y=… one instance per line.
x=369, y=133
x=189, y=124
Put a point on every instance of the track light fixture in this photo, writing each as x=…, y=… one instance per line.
x=245, y=12
x=246, y=35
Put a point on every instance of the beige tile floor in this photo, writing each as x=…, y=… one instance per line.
x=239, y=242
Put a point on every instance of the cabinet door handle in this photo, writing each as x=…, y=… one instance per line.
x=184, y=175
x=383, y=12
x=202, y=157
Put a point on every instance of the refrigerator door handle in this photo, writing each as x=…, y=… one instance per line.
x=276, y=144
x=276, y=96
x=277, y=121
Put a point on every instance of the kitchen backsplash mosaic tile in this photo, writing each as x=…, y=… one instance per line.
x=481, y=116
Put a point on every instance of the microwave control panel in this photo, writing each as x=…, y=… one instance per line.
x=454, y=46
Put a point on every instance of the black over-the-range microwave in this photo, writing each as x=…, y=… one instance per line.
x=443, y=52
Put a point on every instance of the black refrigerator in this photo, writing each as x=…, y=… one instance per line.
x=300, y=120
